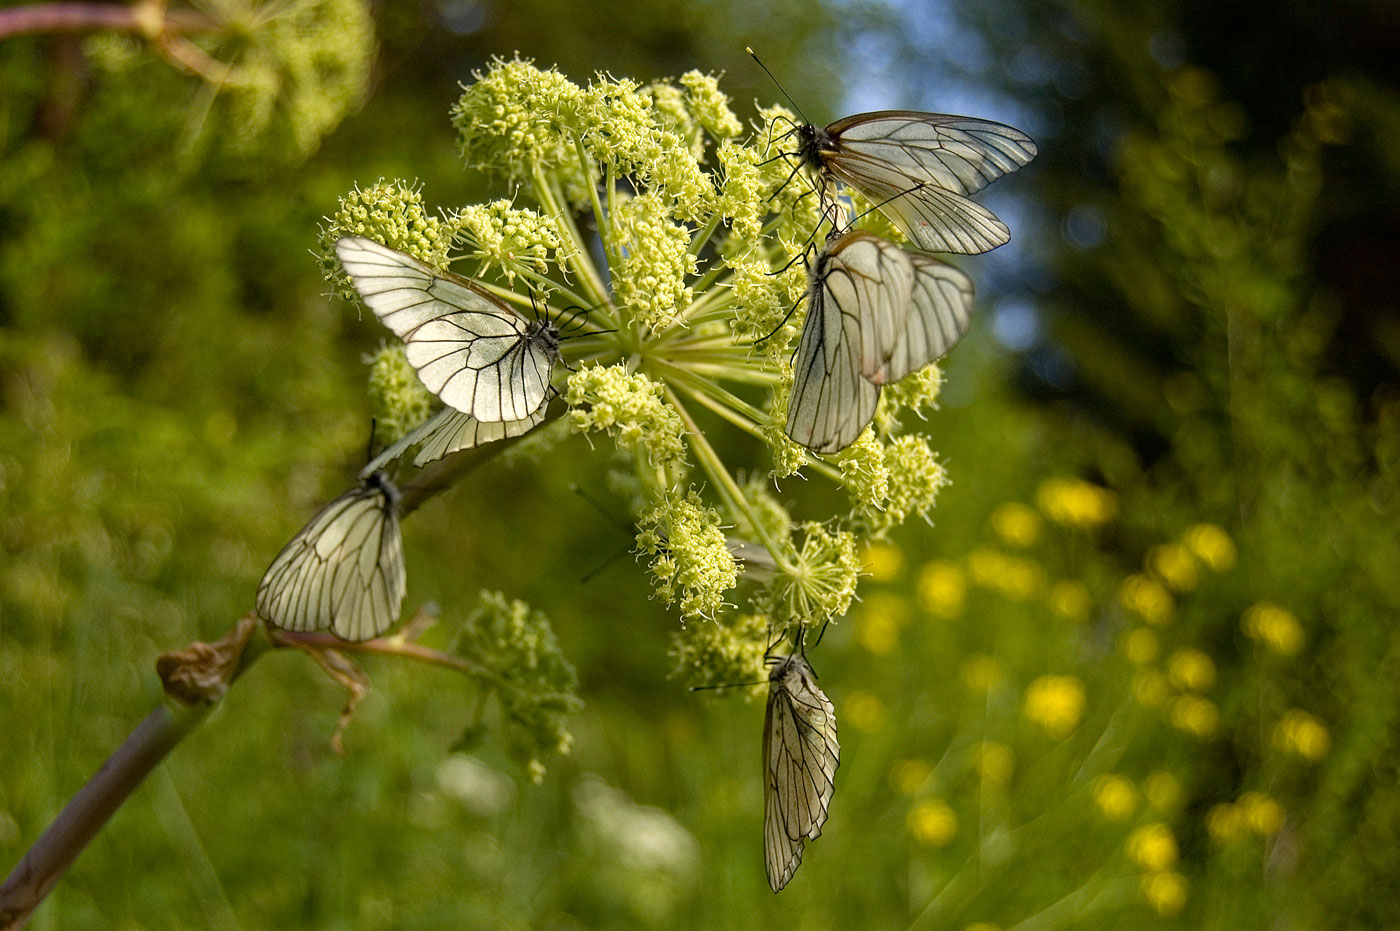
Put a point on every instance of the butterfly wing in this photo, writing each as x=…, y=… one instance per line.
x=800, y=756
x=938, y=314
x=919, y=168
x=468, y=348
x=459, y=431
x=344, y=570
x=830, y=403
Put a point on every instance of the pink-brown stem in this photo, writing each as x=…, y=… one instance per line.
x=146, y=19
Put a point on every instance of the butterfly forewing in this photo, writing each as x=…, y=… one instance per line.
x=344, y=570
x=918, y=168
x=800, y=756
x=830, y=402
x=468, y=348
x=939, y=312
x=459, y=431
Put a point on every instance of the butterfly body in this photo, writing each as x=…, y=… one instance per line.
x=800, y=756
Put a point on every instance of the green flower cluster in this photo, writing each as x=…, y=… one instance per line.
x=688, y=260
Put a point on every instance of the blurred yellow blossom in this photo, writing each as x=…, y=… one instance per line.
x=1141, y=646
x=942, y=589
x=883, y=562
x=1191, y=669
x=1077, y=504
x=1147, y=599
x=878, y=621
x=1163, y=790
x=1153, y=847
x=995, y=762
x=1056, y=703
x=1194, y=715
x=1225, y=822
x=1016, y=524
x=1165, y=892
x=1175, y=565
x=1070, y=600
x=1150, y=688
x=908, y=776
x=1300, y=733
x=1115, y=797
x=1262, y=813
x=1212, y=546
x=981, y=672
x=1013, y=576
x=932, y=823
x=864, y=710
x=1274, y=627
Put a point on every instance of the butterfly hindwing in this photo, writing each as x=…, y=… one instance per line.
x=938, y=314
x=459, y=431
x=344, y=570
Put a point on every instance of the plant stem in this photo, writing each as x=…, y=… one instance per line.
x=149, y=19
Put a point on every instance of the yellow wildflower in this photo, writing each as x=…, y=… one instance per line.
x=1014, y=576
x=932, y=823
x=908, y=776
x=1016, y=524
x=1175, y=565
x=1147, y=599
x=1191, y=669
x=994, y=762
x=1303, y=735
x=883, y=562
x=1262, y=813
x=1150, y=688
x=1153, y=847
x=1194, y=715
x=878, y=622
x=1077, y=504
x=1056, y=703
x=981, y=673
x=1225, y=822
x=1070, y=600
x=1163, y=790
x=1212, y=546
x=1274, y=627
x=942, y=589
x=1165, y=892
x=1115, y=797
x=1141, y=646
x=864, y=710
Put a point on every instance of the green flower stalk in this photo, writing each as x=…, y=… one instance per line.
x=641, y=212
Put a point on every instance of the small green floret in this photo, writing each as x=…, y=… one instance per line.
x=398, y=402
x=536, y=686
x=630, y=408
x=710, y=105
x=500, y=236
x=654, y=260
x=390, y=212
x=725, y=651
x=690, y=560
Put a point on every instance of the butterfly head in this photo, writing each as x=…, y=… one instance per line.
x=379, y=481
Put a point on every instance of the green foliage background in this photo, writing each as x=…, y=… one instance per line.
x=1220, y=346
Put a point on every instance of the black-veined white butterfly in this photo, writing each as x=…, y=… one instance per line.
x=344, y=570
x=875, y=313
x=800, y=756
x=919, y=169
x=470, y=349
x=456, y=431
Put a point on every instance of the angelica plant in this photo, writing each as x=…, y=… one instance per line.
x=681, y=235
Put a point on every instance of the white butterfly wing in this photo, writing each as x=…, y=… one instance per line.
x=875, y=277
x=830, y=402
x=939, y=312
x=459, y=431
x=918, y=168
x=957, y=153
x=800, y=756
x=344, y=570
x=468, y=348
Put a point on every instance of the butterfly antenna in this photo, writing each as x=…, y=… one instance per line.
x=778, y=83
x=821, y=633
x=727, y=685
x=369, y=447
